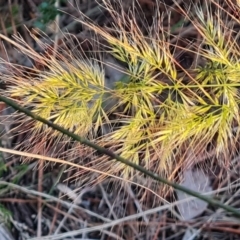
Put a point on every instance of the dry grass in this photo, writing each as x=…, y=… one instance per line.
x=184, y=112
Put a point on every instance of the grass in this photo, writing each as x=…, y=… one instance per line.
x=163, y=116
x=148, y=108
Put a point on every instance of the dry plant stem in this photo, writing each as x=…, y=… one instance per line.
x=112, y=212
x=113, y=156
x=79, y=220
x=54, y=219
x=53, y=199
x=39, y=205
x=115, y=222
x=63, y=162
x=76, y=201
x=138, y=206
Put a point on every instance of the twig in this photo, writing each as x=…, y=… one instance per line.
x=114, y=156
x=39, y=205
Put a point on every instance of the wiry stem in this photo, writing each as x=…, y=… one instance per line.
x=112, y=156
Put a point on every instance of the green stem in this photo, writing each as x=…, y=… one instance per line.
x=112, y=155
